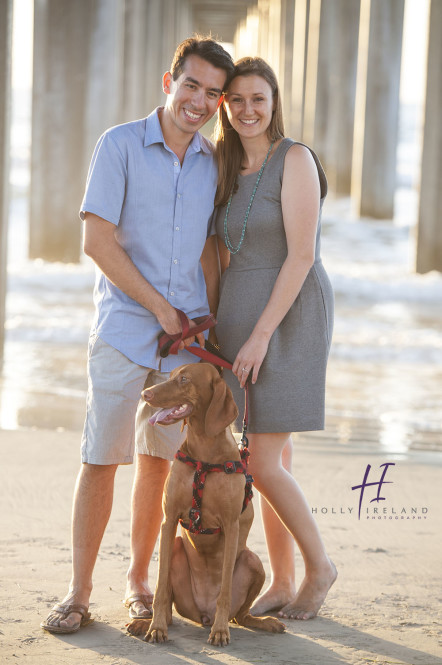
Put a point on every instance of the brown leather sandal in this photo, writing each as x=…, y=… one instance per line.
x=64, y=610
x=145, y=599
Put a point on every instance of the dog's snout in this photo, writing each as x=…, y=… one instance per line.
x=147, y=394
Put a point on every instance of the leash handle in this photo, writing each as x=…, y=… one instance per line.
x=184, y=331
x=170, y=343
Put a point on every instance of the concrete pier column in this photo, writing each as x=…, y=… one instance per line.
x=5, y=101
x=429, y=236
x=61, y=44
x=175, y=26
x=343, y=54
x=331, y=86
x=286, y=36
x=183, y=21
x=105, y=74
x=300, y=45
x=136, y=45
x=78, y=91
x=154, y=66
x=274, y=39
x=377, y=107
x=247, y=34
x=253, y=32
x=264, y=29
x=318, y=74
x=240, y=36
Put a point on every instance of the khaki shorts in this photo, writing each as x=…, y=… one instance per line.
x=116, y=418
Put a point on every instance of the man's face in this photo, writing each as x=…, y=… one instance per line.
x=194, y=97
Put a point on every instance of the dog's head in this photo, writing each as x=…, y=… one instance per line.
x=196, y=393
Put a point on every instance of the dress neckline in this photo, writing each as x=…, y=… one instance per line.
x=268, y=162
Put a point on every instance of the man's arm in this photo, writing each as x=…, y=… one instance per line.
x=102, y=246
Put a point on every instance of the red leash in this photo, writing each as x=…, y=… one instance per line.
x=170, y=343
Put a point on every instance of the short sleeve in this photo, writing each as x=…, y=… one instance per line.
x=106, y=181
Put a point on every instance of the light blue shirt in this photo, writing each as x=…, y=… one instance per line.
x=162, y=213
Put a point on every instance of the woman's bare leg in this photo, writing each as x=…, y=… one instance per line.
x=285, y=496
x=281, y=550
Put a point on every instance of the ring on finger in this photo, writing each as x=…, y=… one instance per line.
x=244, y=369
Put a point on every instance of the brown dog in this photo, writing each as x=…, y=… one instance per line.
x=211, y=578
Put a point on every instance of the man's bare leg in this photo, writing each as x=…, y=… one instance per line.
x=92, y=507
x=147, y=515
x=281, y=550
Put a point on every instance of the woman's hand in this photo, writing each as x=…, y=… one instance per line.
x=250, y=358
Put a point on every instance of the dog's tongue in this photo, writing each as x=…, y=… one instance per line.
x=160, y=415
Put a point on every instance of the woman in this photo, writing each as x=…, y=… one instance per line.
x=275, y=317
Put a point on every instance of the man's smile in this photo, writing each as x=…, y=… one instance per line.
x=192, y=115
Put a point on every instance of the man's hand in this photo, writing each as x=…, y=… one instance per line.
x=171, y=324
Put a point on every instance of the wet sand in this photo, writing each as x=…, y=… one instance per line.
x=384, y=608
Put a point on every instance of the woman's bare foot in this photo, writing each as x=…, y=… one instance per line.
x=274, y=598
x=311, y=594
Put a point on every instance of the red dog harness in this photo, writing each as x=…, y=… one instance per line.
x=169, y=344
x=199, y=480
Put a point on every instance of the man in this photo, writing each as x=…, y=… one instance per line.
x=147, y=208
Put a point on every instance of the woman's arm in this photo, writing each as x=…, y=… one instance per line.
x=224, y=255
x=211, y=270
x=300, y=199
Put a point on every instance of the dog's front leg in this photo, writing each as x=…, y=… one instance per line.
x=220, y=634
x=162, y=602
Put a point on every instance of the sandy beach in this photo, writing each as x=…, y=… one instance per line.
x=383, y=407
x=384, y=608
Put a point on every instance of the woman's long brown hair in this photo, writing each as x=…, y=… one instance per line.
x=229, y=150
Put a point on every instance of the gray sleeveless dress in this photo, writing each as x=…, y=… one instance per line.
x=290, y=391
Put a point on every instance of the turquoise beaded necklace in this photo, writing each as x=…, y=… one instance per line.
x=230, y=247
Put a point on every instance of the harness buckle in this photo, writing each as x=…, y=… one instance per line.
x=195, y=516
x=229, y=467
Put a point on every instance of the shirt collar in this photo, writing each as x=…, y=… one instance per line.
x=154, y=134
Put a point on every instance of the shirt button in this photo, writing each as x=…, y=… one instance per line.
x=175, y=163
x=179, y=196
x=175, y=260
x=177, y=228
x=172, y=293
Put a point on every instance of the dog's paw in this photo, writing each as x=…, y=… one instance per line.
x=138, y=626
x=219, y=637
x=272, y=625
x=156, y=634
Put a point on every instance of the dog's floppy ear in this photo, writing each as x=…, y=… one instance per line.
x=222, y=410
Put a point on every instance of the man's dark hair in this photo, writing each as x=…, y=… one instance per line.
x=207, y=49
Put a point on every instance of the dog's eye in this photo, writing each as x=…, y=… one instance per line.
x=183, y=379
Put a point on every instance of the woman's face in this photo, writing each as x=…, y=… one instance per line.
x=249, y=105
